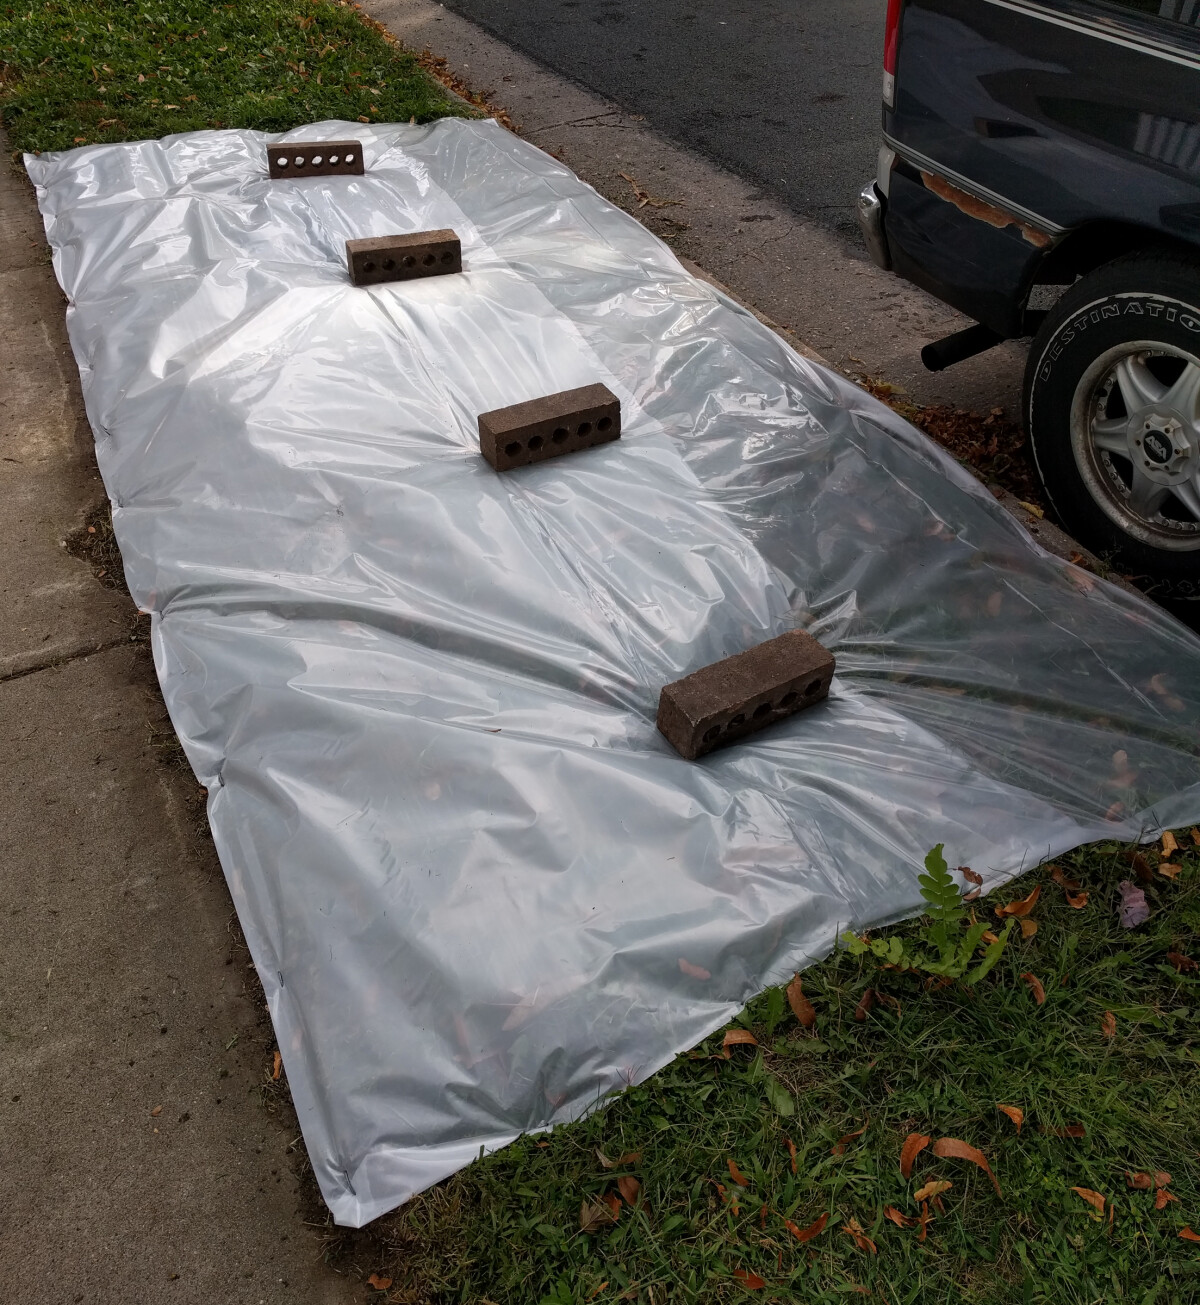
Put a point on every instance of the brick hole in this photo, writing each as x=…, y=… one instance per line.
x=368, y=266
x=429, y=260
x=605, y=423
x=447, y=257
x=349, y=158
x=788, y=698
x=316, y=160
x=560, y=433
x=513, y=449
x=333, y=158
x=737, y=722
x=388, y=264
x=408, y=261
x=711, y=734
x=812, y=688
x=761, y=710
x=536, y=442
x=585, y=428
x=300, y=160
x=281, y=162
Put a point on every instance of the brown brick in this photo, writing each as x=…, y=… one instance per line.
x=744, y=693
x=547, y=427
x=315, y=158
x=403, y=258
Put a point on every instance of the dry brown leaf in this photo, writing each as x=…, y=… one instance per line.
x=154, y=1114
x=1071, y=1130
x=1076, y=901
x=1021, y=907
x=792, y=1152
x=1196, y=836
x=1182, y=963
x=802, y=1008
x=751, y=1281
x=379, y=1282
x=1139, y=1181
x=1169, y=871
x=629, y=1187
x=1028, y=927
x=1161, y=1197
x=969, y=875
x=866, y=1001
x=1108, y=1025
x=930, y=1190
x=1015, y=1113
x=1035, y=986
x=1169, y=843
x=1067, y=884
x=954, y=1149
x=736, y=1174
x=1188, y=1236
x=900, y=1220
x=629, y=1158
x=1161, y=1178
x=988, y=937
x=613, y=1201
x=762, y=1216
x=914, y=1144
x=892, y=1003
x=278, y=1065
x=1139, y=863
x=839, y=1147
x=861, y=1240
x=1092, y=1198
x=814, y=1229
x=693, y=971
x=737, y=1038
x=923, y=1231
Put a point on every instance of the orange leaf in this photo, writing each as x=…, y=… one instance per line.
x=736, y=1174
x=1092, y=1198
x=613, y=1201
x=792, y=1153
x=861, y=1240
x=930, y=1190
x=839, y=1147
x=1062, y=880
x=762, y=1216
x=988, y=937
x=1071, y=1130
x=1021, y=907
x=738, y=1038
x=1182, y=963
x=952, y=1148
x=814, y=1229
x=1035, y=986
x=969, y=875
x=629, y=1187
x=1169, y=843
x=1168, y=871
x=1161, y=1179
x=924, y=1222
x=595, y=1215
x=865, y=1003
x=749, y=1280
x=1108, y=1025
x=1139, y=1181
x=1196, y=836
x=1028, y=927
x=1077, y=901
x=379, y=1282
x=914, y=1144
x=1188, y=1236
x=277, y=1066
x=1015, y=1113
x=1161, y=1197
x=693, y=971
x=900, y=1220
x=802, y=1008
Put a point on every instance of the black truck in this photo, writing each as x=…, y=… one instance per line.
x=1040, y=172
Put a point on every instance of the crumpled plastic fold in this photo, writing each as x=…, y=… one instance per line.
x=481, y=891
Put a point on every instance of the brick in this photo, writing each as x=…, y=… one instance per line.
x=319, y=158
x=403, y=258
x=550, y=426
x=744, y=693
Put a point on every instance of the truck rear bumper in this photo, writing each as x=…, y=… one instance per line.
x=870, y=220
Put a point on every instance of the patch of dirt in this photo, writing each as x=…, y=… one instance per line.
x=95, y=543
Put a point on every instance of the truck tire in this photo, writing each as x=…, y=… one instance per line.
x=1112, y=410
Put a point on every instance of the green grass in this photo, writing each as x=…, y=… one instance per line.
x=507, y=1230
x=105, y=70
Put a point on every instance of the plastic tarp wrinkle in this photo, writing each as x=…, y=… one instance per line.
x=481, y=891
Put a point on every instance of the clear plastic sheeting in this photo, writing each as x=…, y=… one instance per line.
x=481, y=891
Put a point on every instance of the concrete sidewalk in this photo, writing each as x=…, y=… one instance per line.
x=145, y=1155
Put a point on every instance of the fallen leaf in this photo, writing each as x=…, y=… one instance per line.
x=1021, y=907
x=861, y=1240
x=1015, y=1113
x=953, y=1148
x=1188, y=1236
x=1092, y=1198
x=1196, y=836
x=379, y=1282
x=1140, y=864
x=923, y=1232
x=865, y=1003
x=597, y=1290
x=892, y=1003
x=629, y=1158
x=1108, y=1025
x=1071, y=1130
x=839, y=1147
x=1168, y=871
x=1182, y=963
x=1077, y=901
x=594, y=1215
x=969, y=875
x=629, y=1187
x=613, y=1201
x=738, y=1038
x=792, y=1152
x=1035, y=986
x=277, y=1066
x=1061, y=879
x=749, y=1280
x=762, y=1216
x=988, y=937
x=914, y=1144
x=1161, y=1178
x=1161, y=1197
x=693, y=971
x=1139, y=1181
x=900, y=1220
x=1133, y=909
x=1030, y=927
x=1169, y=843
x=814, y=1229
x=154, y=1114
x=930, y=1190
x=802, y=1008
x=736, y=1174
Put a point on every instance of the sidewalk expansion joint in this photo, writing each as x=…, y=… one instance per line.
x=63, y=658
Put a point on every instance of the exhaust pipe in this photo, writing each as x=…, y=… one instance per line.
x=958, y=347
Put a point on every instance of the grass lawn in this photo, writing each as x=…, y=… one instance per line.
x=74, y=72
x=1101, y=1099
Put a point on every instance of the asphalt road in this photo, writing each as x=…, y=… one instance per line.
x=784, y=92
